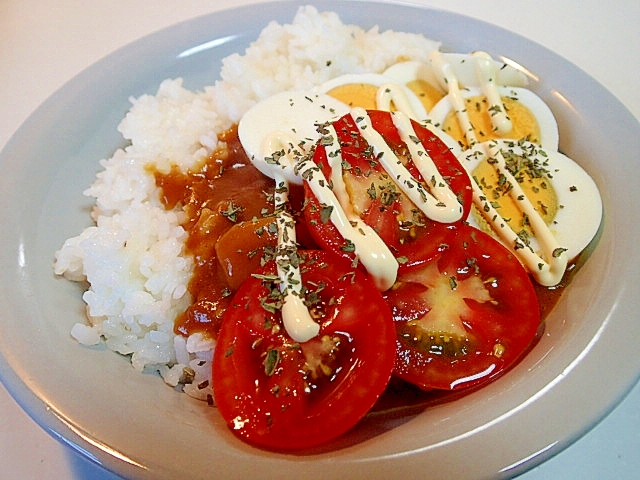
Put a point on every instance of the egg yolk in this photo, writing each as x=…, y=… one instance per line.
x=535, y=182
x=364, y=94
x=427, y=93
x=356, y=95
x=525, y=125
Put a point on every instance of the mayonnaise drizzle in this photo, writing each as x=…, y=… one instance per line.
x=442, y=205
x=282, y=155
x=549, y=270
x=389, y=94
x=438, y=202
x=295, y=314
x=546, y=272
x=486, y=72
x=392, y=93
x=448, y=206
x=370, y=249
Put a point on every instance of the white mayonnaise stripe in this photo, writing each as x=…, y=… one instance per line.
x=334, y=158
x=412, y=188
x=370, y=249
x=439, y=189
x=486, y=72
x=547, y=271
x=455, y=97
x=392, y=93
x=282, y=153
x=295, y=314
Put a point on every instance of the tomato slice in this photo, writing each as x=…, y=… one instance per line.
x=283, y=395
x=374, y=195
x=465, y=317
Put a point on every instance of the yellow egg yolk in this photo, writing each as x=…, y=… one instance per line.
x=525, y=125
x=356, y=95
x=534, y=181
x=364, y=94
x=427, y=93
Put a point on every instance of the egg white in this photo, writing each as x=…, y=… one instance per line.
x=463, y=68
x=411, y=70
x=580, y=209
x=510, y=80
x=295, y=115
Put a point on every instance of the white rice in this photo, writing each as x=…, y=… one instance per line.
x=133, y=258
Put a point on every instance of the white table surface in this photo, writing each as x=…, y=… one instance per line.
x=44, y=43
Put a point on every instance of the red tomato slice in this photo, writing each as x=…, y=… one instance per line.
x=465, y=317
x=279, y=394
x=375, y=197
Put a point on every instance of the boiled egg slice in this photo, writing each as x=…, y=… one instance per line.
x=464, y=67
x=531, y=118
x=420, y=79
x=364, y=90
x=430, y=86
x=373, y=91
x=282, y=129
x=563, y=194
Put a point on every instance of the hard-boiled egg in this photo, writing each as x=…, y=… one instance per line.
x=562, y=192
x=530, y=117
x=420, y=79
x=284, y=128
x=374, y=91
x=364, y=90
x=430, y=86
x=463, y=66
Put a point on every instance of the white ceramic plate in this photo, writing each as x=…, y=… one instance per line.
x=134, y=425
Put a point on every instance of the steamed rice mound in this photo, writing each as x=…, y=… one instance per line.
x=133, y=258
